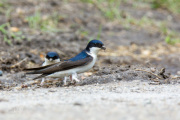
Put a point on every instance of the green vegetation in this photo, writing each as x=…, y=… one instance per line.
x=3, y=3
x=44, y=23
x=171, y=37
x=84, y=33
x=169, y=40
x=5, y=8
x=171, y=5
x=109, y=8
x=9, y=36
x=99, y=32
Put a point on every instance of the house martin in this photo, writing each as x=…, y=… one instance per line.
x=50, y=58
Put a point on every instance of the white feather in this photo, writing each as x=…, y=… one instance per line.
x=48, y=62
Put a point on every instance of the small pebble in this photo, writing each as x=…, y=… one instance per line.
x=153, y=69
x=51, y=90
x=1, y=73
x=78, y=104
x=146, y=102
x=178, y=72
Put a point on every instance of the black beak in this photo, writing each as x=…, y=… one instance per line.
x=103, y=47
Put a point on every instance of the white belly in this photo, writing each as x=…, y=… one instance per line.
x=74, y=70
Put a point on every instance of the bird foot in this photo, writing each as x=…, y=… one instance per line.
x=74, y=77
x=77, y=80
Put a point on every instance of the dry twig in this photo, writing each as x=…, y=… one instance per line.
x=20, y=62
x=148, y=72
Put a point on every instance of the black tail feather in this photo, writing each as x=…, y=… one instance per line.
x=43, y=75
x=33, y=72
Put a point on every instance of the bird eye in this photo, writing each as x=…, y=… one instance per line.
x=47, y=57
x=99, y=45
x=55, y=57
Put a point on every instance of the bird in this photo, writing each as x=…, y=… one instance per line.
x=82, y=62
x=50, y=58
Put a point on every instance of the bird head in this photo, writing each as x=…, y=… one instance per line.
x=52, y=56
x=94, y=46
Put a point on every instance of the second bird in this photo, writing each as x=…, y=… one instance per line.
x=50, y=58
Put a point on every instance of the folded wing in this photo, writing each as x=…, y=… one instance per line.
x=57, y=67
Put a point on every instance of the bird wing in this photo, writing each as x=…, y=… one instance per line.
x=60, y=66
x=39, y=68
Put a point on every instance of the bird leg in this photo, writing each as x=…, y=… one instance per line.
x=65, y=80
x=74, y=77
x=42, y=81
x=70, y=77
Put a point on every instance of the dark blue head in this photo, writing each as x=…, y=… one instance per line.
x=95, y=43
x=52, y=55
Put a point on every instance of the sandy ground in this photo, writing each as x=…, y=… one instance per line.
x=118, y=100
